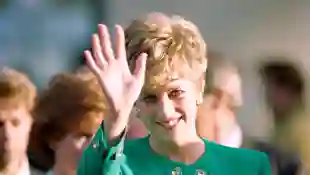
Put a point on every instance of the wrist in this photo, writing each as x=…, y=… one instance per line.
x=119, y=114
x=121, y=109
x=116, y=123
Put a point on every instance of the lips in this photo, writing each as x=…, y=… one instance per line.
x=169, y=124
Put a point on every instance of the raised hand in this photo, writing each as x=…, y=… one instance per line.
x=68, y=153
x=120, y=86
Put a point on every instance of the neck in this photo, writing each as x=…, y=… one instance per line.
x=186, y=149
x=15, y=166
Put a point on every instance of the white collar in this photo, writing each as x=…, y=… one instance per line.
x=234, y=139
x=24, y=169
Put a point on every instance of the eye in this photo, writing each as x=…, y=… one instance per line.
x=150, y=98
x=15, y=122
x=89, y=136
x=176, y=93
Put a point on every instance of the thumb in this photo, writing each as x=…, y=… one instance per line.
x=139, y=71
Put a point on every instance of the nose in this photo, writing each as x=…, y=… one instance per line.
x=166, y=107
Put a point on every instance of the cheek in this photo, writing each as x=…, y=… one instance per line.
x=20, y=137
x=143, y=110
x=147, y=118
x=188, y=106
x=22, y=131
x=145, y=113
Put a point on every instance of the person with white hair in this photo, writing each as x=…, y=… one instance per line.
x=222, y=100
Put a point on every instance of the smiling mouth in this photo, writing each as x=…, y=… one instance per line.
x=169, y=124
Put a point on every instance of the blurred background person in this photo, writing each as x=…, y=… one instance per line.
x=285, y=99
x=17, y=98
x=284, y=91
x=67, y=115
x=222, y=100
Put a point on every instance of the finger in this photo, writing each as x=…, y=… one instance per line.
x=91, y=62
x=120, y=42
x=120, y=49
x=87, y=142
x=139, y=71
x=79, y=142
x=105, y=42
x=97, y=51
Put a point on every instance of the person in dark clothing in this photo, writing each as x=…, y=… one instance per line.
x=284, y=90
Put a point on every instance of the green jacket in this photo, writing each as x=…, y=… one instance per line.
x=135, y=157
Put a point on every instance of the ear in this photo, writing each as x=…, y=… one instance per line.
x=201, y=87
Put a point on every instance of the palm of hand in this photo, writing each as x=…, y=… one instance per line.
x=116, y=83
x=111, y=69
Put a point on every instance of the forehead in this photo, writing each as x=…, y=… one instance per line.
x=9, y=113
x=168, y=85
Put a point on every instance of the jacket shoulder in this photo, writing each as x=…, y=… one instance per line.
x=240, y=159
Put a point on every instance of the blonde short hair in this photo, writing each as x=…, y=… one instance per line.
x=16, y=89
x=174, y=46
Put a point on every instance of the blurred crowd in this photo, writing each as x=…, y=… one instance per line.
x=44, y=131
x=47, y=131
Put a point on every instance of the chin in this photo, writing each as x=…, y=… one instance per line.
x=173, y=136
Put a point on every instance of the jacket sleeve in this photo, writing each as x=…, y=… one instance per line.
x=101, y=159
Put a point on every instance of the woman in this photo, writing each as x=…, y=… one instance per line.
x=67, y=116
x=165, y=82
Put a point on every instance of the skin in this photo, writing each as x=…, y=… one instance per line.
x=223, y=114
x=174, y=102
x=136, y=128
x=206, y=120
x=15, y=124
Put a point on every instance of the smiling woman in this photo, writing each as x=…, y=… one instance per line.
x=163, y=76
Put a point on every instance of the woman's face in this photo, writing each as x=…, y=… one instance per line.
x=79, y=135
x=169, y=111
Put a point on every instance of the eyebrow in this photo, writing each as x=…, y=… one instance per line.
x=148, y=91
x=142, y=95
